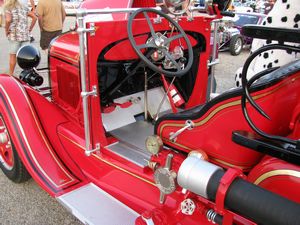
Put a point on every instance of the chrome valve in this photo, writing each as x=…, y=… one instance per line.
x=165, y=179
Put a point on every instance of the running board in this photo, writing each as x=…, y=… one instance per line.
x=92, y=205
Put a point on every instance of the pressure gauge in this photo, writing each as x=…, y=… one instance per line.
x=154, y=144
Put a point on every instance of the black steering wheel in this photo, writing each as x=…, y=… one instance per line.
x=161, y=43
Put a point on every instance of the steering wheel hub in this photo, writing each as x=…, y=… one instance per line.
x=160, y=41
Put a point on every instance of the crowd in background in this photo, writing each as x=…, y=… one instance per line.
x=18, y=19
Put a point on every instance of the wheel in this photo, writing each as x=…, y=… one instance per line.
x=10, y=162
x=169, y=63
x=236, y=45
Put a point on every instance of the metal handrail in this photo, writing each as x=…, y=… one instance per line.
x=82, y=11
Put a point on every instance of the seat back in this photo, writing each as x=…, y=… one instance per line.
x=277, y=93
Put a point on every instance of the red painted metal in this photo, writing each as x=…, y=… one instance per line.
x=6, y=152
x=66, y=48
x=213, y=129
x=36, y=153
x=96, y=4
x=49, y=134
x=277, y=176
x=225, y=182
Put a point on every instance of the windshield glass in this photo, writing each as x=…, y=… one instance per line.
x=241, y=20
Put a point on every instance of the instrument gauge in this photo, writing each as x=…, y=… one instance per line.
x=154, y=144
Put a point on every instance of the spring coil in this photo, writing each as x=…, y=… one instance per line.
x=211, y=215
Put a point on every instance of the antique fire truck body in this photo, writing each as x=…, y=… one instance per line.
x=125, y=132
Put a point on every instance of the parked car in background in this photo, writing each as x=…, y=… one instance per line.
x=242, y=19
x=230, y=36
x=239, y=6
x=264, y=6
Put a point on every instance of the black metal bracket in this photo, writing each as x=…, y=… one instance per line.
x=284, y=151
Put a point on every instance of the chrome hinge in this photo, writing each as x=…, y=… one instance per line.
x=89, y=152
x=90, y=93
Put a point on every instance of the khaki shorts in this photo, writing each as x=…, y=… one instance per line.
x=46, y=38
x=14, y=46
x=1, y=18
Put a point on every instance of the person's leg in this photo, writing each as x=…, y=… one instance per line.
x=13, y=48
x=12, y=64
x=44, y=40
x=47, y=37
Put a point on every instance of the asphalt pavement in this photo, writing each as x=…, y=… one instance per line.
x=27, y=203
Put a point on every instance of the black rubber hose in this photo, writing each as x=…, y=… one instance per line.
x=255, y=203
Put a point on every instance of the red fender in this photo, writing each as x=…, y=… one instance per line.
x=277, y=176
x=30, y=140
x=51, y=124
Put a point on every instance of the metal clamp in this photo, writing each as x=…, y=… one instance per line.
x=213, y=62
x=93, y=93
x=188, y=125
x=89, y=152
x=86, y=30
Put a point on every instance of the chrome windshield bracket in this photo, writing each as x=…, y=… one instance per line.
x=89, y=152
x=93, y=93
x=84, y=86
x=87, y=30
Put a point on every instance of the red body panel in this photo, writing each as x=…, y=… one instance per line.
x=66, y=49
x=36, y=153
x=277, y=176
x=96, y=4
x=217, y=142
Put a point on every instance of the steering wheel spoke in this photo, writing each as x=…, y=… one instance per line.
x=150, y=25
x=169, y=56
x=147, y=45
x=173, y=38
